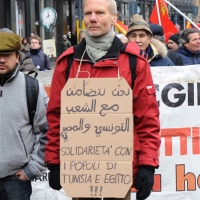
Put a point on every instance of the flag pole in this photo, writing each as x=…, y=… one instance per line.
x=158, y=12
x=182, y=14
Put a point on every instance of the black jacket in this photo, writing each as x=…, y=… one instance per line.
x=175, y=58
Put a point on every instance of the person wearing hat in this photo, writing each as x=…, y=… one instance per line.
x=172, y=49
x=139, y=31
x=173, y=42
x=26, y=63
x=189, y=49
x=22, y=145
x=158, y=33
x=65, y=43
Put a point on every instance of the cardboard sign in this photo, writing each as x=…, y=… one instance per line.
x=96, y=138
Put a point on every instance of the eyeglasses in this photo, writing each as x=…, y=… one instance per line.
x=34, y=42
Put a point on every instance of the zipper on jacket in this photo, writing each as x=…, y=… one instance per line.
x=23, y=144
x=1, y=91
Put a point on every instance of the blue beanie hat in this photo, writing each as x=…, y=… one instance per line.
x=156, y=29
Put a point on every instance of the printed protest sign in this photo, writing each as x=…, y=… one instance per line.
x=96, y=137
x=49, y=47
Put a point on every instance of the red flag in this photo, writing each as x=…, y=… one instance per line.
x=166, y=23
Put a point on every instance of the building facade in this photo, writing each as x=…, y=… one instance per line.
x=23, y=17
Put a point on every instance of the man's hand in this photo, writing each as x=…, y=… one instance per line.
x=54, y=176
x=144, y=181
x=20, y=174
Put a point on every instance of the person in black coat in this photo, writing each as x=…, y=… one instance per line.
x=175, y=58
x=172, y=45
x=158, y=34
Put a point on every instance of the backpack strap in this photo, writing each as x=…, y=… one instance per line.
x=32, y=90
x=132, y=64
x=70, y=59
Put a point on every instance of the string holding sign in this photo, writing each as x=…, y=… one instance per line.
x=79, y=69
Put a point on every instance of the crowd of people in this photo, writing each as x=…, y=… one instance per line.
x=164, y=49
x=29, y=149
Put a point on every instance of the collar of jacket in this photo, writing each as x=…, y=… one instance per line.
x=160, y=47
x=11, y=76
x=153, y=52
x=112, y=53
x=187, y=52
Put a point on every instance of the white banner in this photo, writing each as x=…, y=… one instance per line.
x=178, y=177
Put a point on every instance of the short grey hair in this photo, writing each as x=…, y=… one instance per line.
x=112, y=4
x=161, y=38
x=184, y=37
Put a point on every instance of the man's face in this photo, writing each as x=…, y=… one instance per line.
x=34, y=44
x=172, y=45
x=194, y=42
x=8, y=63
x=98, y=18
x=141, y=38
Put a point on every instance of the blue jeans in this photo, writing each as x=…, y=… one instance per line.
x=13, y=188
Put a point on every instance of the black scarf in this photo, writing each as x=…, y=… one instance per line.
x=34, y=51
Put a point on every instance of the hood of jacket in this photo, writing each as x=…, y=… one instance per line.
x=11, y=76
x=157, y=52
x=159, y=48
x=26, y=63
x=22, y=57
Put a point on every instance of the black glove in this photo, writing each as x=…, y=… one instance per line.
x=144, y=181
x=54, y=176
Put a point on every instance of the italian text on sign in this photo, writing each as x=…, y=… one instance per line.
x=96, y=136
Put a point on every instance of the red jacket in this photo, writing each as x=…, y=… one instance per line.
x=145, y=107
